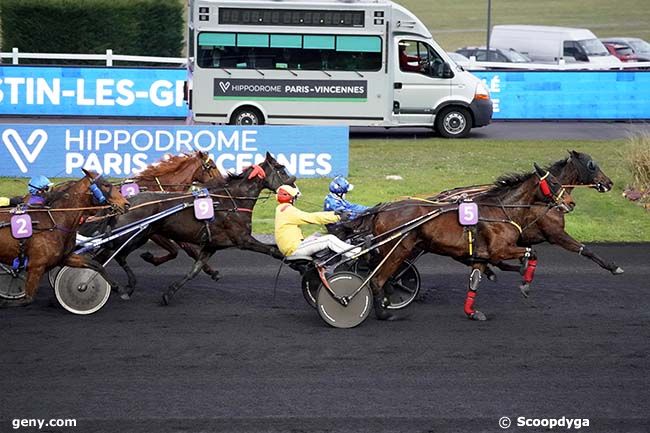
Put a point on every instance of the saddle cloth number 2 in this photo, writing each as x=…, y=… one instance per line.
x=203, y=208
x=21, y=226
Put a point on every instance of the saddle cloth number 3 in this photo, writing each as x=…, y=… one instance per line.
x=468, y=214
x=203, y=208
x=21, y=226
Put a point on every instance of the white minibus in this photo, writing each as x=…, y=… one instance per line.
x=359, y=63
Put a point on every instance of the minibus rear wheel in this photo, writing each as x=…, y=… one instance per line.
x=247, y=116
x=453, y=122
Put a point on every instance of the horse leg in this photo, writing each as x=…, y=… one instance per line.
x=204, y=256
x=474, y=281
x=126, y=293
x=248, y=242
x=528, y=273
x=79, y=261
x=34, y=274
x=192, y=251
x=564, y=240
x=166, y=244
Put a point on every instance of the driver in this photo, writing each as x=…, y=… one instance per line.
x=37, y=187
x=406, y=61
x=288, y=235
x=336, y=201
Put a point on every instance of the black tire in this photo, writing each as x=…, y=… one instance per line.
x=453, y=122
x=247, y=116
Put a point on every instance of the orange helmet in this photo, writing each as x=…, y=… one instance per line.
x=287, y=194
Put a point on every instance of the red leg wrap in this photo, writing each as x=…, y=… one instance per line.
x=469, y=302
x=529, y=274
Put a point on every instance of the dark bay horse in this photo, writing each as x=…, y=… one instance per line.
x=177, y=174
x=578, y=169
x=54, y=230
x=231, y=226
x=515, y=202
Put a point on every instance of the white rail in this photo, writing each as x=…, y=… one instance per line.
x=109, y=57
x=474, y=65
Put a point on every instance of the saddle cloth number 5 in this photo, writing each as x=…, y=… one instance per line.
x=468, y=214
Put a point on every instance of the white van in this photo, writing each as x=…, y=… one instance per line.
x=354, y=62
x=547, y=44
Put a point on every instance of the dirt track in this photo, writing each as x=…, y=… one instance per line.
x=227, y=357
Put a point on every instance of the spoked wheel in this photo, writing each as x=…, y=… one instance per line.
x=402, y=288
x=51, y=275
x=358, y=308
x=12, y=287
x=81, y=290
x=311, y=284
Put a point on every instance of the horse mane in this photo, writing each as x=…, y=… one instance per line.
x=557, y=167
x=171, y=165
x=58, y=191
x=507, y=182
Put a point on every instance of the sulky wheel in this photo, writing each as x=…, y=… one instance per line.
x=310, y=285
x=403, y=286
x=358, y=307
x=12, y=287
x=81, y=290
x=51, y=275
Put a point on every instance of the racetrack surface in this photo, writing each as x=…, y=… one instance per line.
x=229, y=356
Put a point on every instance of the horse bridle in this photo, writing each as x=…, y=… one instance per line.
x=549, y=193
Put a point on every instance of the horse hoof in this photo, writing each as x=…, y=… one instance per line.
x=525, y=289
x=492, y=277
x=477, y=315
x=617, y=271
x=165, y=299
x=125, y=296
x=385, y=315
x=147, y=257
x=215, y=276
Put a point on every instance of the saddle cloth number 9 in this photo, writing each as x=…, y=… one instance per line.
x=203, y=208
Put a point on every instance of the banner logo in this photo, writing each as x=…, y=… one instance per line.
x=224, y=86
x=314, y=90
x=36, y=141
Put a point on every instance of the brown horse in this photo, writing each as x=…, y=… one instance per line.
x=54, y=230
x=516, y=202
x=578, y=169
x=174, y=175
x=231, y=227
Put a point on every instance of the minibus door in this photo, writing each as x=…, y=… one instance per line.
x=418, y=86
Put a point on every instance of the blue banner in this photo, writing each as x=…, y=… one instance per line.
x=589, y=95
x=158, y=92
x=76, y=91
x=122, y=151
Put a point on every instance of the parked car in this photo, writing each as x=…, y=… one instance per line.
x=623, y=52
x=639, y=47
x=549, y=44
x=495, y=55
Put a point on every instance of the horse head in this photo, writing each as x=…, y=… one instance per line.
x=206, y=169
x=589, y=172
x=274, y=174
x=551, y=190
x=105, y=192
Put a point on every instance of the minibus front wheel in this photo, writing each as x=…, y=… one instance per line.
x=247, y=116
x=453, y=122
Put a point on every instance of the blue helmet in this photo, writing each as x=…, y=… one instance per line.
x=340, y=185
x=38, y=184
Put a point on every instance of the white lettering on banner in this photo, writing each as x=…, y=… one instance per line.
x=494, y=87
x=36, y=141
x=102, y=92
x=123, y=152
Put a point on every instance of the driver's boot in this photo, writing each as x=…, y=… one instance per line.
x=381, y=312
